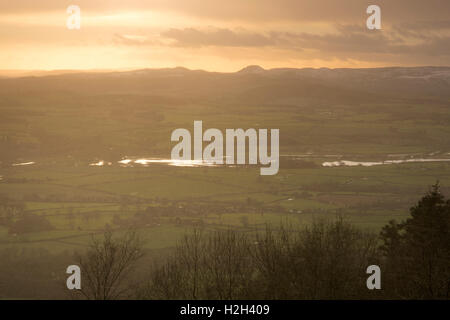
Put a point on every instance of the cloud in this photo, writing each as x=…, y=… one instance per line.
x=191, y=37
x=347, y=42
x=133, y=40
x=255, y=10
x=415, y=32
x=354, y=42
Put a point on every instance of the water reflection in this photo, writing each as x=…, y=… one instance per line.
x=23, y=163
x=209, y=163
x=376, y=163
x=170, y=162
x=100, y=163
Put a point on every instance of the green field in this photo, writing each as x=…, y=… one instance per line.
x=165, y=202
x=64, y=123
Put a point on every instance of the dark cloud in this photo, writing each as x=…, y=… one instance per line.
x=354, y=42
x=348, y=42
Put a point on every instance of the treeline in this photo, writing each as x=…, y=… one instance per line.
x=324, y=261
x=327, y=260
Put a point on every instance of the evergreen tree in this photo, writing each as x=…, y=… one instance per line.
x=417, y=251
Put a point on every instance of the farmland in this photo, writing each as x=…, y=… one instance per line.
x=165, y=202
x=53, y=128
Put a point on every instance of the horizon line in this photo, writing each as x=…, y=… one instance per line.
x=105, y=70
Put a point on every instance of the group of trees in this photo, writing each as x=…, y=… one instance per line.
x=29, y=223
x=417, y=251
x=14, y=217
x=326, y=260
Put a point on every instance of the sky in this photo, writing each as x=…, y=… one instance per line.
x=219, y=35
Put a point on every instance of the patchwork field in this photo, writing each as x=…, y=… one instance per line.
x=166, y=202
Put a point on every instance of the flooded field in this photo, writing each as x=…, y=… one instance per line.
x=377, y=163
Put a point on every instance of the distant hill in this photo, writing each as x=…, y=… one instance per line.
x=424, y=82
x=89, y=115
x=252, y=69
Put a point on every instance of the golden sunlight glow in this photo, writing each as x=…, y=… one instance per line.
x=118, y=39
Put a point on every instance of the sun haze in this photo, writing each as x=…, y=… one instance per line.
x=221, y=36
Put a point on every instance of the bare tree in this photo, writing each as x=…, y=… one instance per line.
x=107, y=264
x=205, y=265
